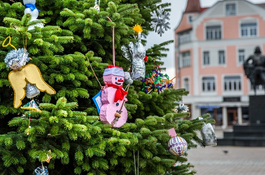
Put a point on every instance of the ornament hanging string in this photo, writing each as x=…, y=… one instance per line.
x=9, y=43
x=138, y=167
x=29, y=123
x=94, y=73
x=96, y=2
x=113, y=43
x=43, y=169
x=135, y=171
x=113, y=52
x=25, y=44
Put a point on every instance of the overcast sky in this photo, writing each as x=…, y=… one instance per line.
x=177, y=8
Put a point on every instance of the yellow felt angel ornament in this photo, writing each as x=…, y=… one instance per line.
x=23, y=75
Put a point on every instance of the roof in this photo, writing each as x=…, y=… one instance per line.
x=203, y=9
x=261, y=5
x=193, y=6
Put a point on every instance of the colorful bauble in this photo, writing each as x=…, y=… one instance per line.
x=177, y=146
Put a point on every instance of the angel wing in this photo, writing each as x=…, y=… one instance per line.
x=127, y=51
x=33, y=76
x=18, y=83
x=18, y=80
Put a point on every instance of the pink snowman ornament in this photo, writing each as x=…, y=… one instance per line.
x=113, y=97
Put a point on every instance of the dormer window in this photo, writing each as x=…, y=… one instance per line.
x=230, y=9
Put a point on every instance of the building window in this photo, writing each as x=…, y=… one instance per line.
x=186, y=84
x=230, y=9
x=232, y=83
x=208, y=84
x=221, y=55
x=206, y=58
x=241, y=56
x=248, y=29
x=184, y=37
x=185, y=59
x=190, y=19
x=213, y=32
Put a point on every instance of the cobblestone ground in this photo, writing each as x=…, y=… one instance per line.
x=237, y=160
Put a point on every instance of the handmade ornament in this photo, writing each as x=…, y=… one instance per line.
x=31, y=106
x=176, y=145
x=49, y=157
x=31, y=91
x=113, y=98
x=30, y=8
x=156, y=82
x=41, y=171
x=159, y=21
x=23, y=75
x=97, y=5
x=28, y=74
x=182, y=108
x=97, y=101
x=208, y=135
x=136, y=54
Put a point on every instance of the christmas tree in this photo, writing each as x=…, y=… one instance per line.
x=65, y=40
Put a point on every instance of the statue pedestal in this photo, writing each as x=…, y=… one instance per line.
x=257, y=109
x=253, y=134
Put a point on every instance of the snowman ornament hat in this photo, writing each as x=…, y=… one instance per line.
x=114, y=70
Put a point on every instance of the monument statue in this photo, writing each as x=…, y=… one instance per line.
x=254, y=68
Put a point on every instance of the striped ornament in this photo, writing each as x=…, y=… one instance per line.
x=177, y=145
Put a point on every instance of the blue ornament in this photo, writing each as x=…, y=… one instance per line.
x=41, y=171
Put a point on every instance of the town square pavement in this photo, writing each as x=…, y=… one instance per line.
x=228, y=160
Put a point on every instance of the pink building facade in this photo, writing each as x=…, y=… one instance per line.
x=211, y=45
